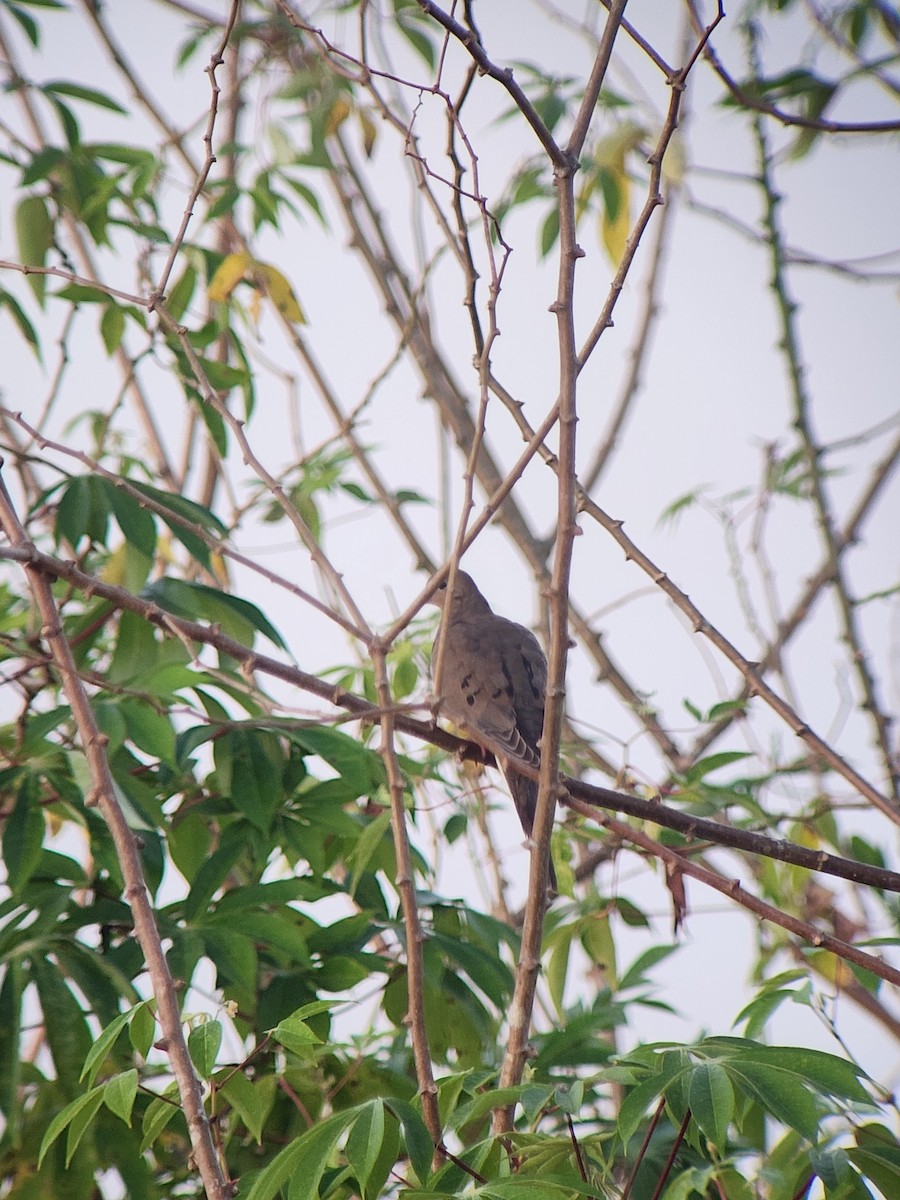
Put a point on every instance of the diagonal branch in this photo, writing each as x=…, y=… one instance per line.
x=251, y=660
x=103, y=794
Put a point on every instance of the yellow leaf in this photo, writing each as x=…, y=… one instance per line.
x=830, y=967
x=616, y=225
x=113, y=570
x=255, y=307
x=219, y=568
x=610, y=151
x=229, y=274
x=340, y=111
x=674, y=160
x=369, y=133
x=280, y=293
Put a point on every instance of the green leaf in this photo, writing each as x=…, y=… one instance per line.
x=781, y=1094
x=119, y=1094
x=176, y=512
x=158, y=1115
x=142, y=1028
x=303, y=1162
x=636, y=974
x=713, y=762
x=251, y=767
x=877, y=1155
x=137, y=525
x=558, y=964
x=826, y=1073
x=365, y=1140
x=211, y=876
x=233, y=954
x=82, y=512
x=204, y=1041
x=758, y=1011
x=82, y=293
x=711, y=1099
x=367, y=846
x=112, y=327
x=238, y=618
x=639, y=1099
x=549, y=232
x=63, y=87
x=252, y=1102
x=26, y=329
x=355, y=763
x=34, y=236
x=23, y=837
x=11, y=1065
x=180, y=296
x=67, y=1032
x=222, y=376
x=80, y=1111
x=295, y=1035
x=101, y=1047
x=419, y=1145
x=149, y=730
x=30, y=27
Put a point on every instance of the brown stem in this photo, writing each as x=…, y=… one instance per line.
x=103, y=795
x=415, y=971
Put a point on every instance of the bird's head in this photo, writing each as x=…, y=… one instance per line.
x=466, y=595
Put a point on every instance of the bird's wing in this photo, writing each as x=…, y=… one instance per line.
x=494, y=680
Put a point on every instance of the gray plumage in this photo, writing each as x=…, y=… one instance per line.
x=494, y=677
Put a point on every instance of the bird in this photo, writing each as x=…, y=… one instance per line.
x=493, y=682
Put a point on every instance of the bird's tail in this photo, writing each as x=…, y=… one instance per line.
x=524, y=792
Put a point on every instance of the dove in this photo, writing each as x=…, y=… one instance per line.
x=494, y=676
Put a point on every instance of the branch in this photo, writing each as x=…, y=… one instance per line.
x=732, y=889
x=757, y=686
x=415, y=968
x=758, y=104
x=504, y=76
x=103, y=794
x=427, y=731
x=218, y=57
x=790, y=345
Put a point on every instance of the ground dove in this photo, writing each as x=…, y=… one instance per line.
x=494, y=676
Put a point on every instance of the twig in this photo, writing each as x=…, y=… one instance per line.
x=732, y=888
x=406, y=884
x=757, y=103
x=218, y=57
x=217, y=545
x=503, y=76
x=787, y=309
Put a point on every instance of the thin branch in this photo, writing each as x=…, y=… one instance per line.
x=103, y=794
x=733, y=890
x=218, y=57
x=790, y=345
x=815, y=585
x=637, y=353
x=757, y=104
x=406, y=884
x=751, y=671
x=427, y=731
x=236, y=426
x=503, y=75
x=71, y=277
x=217, y=545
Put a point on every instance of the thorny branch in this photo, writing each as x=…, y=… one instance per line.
x=103, y=794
